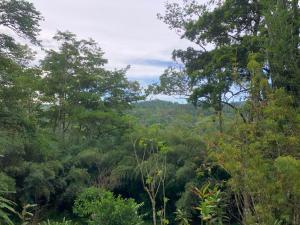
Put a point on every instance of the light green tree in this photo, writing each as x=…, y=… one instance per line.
x=101, y=207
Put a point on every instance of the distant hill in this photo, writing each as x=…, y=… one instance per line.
x=158, y=111
x=164, y=112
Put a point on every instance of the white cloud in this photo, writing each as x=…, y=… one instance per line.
x=127, y=31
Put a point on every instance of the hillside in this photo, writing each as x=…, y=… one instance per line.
x=162, y=112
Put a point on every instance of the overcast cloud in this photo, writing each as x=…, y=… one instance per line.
x=128, y=31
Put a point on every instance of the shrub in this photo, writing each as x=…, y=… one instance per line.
x=101, y=207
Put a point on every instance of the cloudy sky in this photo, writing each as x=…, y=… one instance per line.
x=128, y=31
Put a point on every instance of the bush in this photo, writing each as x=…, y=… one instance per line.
x=101, y=207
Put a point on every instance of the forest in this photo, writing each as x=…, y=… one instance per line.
x=81, y=144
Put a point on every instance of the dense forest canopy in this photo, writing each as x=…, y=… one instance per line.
x=80, y=144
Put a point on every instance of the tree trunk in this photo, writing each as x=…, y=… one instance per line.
x=246, y=208
x=153, y=203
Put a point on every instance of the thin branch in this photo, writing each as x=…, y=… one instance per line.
x=236, y=109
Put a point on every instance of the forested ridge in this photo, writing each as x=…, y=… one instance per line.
x=82, y=144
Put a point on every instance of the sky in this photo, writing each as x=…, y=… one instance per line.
x=127, y=31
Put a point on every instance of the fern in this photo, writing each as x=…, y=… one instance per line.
x=6, y=208
x=63, y=222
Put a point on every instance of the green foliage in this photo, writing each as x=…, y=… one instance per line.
x=259, y=150
x=253, y=57
x=82, y=93
x=39, y=182
x=7, y=207
x=63, y=222
x=69, y=123
x=26, y=214
x=6, y=183
x=101, y=207
x=210, y=207
x=288, y=169
x=182, y=218
x=25, y=22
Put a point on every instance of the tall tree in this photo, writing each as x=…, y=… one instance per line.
x=81, y=93
x=23, y=19
x=254, y=47
x=226, y=33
